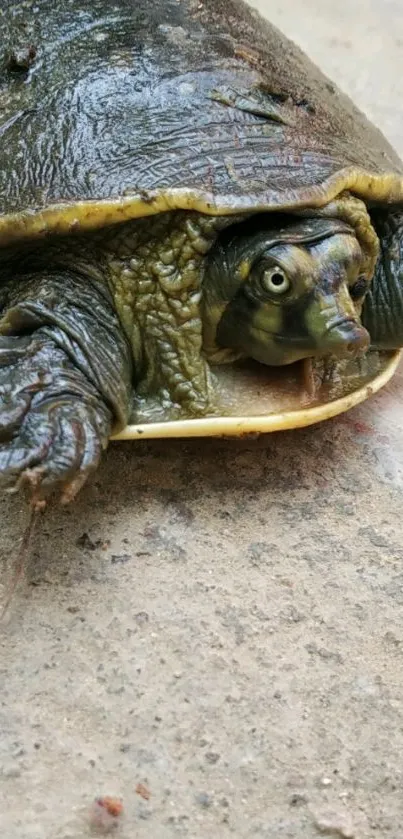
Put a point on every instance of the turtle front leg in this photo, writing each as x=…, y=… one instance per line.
x=65, y=382
x=382, y=312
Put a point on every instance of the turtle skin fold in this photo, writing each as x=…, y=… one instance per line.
x=65, y=383
x=383, y=306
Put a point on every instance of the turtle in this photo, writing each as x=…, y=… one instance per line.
x=199, y=234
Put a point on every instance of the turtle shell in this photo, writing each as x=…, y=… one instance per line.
x=111, y=111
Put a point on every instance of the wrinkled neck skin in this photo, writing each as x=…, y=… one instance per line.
x=150, y=270
x=382, y=312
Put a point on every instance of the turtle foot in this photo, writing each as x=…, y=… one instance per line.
x=54, y=424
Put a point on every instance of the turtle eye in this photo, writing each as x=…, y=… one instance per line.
x=275, y=280
x=358, y=289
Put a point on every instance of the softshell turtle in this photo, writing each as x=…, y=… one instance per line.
x=199, y=233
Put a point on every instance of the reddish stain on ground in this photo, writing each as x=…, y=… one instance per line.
x=358, y=426
x=105, y=813
x=363, y=428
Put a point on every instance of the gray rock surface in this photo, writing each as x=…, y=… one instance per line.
x=222, y=621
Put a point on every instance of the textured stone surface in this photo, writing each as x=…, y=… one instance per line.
x=221, y=621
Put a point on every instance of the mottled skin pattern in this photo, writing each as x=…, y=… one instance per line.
x=286, y=291
x=155, y=271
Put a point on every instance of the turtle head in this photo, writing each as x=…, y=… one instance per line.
x=279, y=294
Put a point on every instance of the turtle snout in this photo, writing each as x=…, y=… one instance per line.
x=347, y=337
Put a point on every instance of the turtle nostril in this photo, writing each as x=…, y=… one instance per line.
x=348, y=338
x=359, y=343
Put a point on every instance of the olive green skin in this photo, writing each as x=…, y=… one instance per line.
x=314, y=308
x=202, y=116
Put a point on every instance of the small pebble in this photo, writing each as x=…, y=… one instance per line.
x=334, y=824
x=142, y=790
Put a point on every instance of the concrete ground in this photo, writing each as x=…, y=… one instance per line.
x=222, y=621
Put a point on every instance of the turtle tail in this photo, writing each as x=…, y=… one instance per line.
x=382, y=312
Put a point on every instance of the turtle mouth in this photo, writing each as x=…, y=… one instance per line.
x=309, y=383
x=299, y=342
x=341, y=321
x=344, y=337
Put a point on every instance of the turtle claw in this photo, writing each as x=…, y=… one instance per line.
x=53, y=423
x=53, y=451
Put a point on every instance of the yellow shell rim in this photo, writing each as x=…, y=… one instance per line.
x=238, y=426
x=66, y=217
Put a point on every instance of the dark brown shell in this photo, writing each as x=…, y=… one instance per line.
x=129, y=108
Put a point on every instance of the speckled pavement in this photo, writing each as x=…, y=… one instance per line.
x=222, y=621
